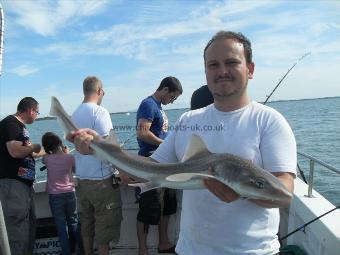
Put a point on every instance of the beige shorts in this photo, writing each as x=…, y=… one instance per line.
x=100, y=205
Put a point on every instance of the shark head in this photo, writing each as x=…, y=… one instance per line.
x=240, y=174
x=249, y=180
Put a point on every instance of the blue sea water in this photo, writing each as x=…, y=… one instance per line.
x=315, y=123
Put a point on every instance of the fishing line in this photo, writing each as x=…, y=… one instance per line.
x=302, y=174
x=306, y=224
x=128, y=139
x=281, y=80
x=272, y=92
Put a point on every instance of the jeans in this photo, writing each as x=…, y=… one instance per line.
x=64, y=210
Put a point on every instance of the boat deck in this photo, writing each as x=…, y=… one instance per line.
x=132, y=251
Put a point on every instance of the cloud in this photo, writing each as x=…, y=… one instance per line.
x=24, y=70
x=46, y=17
x=145, y=41
x=133, y=46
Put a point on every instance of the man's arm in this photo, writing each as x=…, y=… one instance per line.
x=82, y=139
x=144, y=133
x=17, y=150
x=226, y=194
x=39, y=154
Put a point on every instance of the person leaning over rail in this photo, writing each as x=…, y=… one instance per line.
x=61, y=190
x=17, y=174
x=215, y=221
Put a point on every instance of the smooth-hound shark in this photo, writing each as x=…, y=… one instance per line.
x=241, y=175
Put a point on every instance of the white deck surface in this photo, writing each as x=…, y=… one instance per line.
x=133, y=252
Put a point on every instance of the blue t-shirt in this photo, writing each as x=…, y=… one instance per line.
x=151, y=109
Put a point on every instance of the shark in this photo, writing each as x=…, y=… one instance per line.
x=242, y=175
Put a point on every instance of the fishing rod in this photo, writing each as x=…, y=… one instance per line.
x=309, y=222
x=128, y=139
x=277, y=85
x=280, y=81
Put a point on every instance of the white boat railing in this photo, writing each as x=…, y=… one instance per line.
x=312, y=161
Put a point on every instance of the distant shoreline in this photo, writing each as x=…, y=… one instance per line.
x=276, y=101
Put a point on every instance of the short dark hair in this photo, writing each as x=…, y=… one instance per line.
x=236, y=36
x=201, y=97
x=27, y=103
x=51, y=142
x=172, y=83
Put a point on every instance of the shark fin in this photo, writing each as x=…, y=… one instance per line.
x=145, y=186
x=182, y=177
x=195, y=146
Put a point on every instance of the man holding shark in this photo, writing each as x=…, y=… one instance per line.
x=217, y=220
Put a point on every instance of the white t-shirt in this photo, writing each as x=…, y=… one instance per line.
x=96, y=117
x=208, y=225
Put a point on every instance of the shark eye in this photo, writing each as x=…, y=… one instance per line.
x=259, y=183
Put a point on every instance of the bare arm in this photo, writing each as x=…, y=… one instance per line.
x=17, y=150
x=39, y=154
x=82, y=139
x=144, y=133
x=226, y=194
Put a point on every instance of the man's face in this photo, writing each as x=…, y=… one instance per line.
x=226, y=70
x=33, y=113
x=170, y=97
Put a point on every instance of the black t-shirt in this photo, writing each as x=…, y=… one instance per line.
x=22, y=169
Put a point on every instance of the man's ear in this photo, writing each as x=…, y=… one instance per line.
x=251, y=69
x=165, y=90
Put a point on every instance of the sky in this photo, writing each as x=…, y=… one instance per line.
x=51, y=46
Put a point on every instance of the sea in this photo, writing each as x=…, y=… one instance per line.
x=315, y=123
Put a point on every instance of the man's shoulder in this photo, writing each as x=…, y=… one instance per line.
x=265, y=110
x=102, y=109
x=90, y=108
x=198, y=113
x=10, y=120
x=148, y=104
x=148, y=101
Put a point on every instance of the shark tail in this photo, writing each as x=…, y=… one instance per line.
x=54, y=102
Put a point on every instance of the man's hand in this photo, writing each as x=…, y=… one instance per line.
x=125, y=178
x=82, y=139
x=35, y=147
x=220, y=190
x=37, y=151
